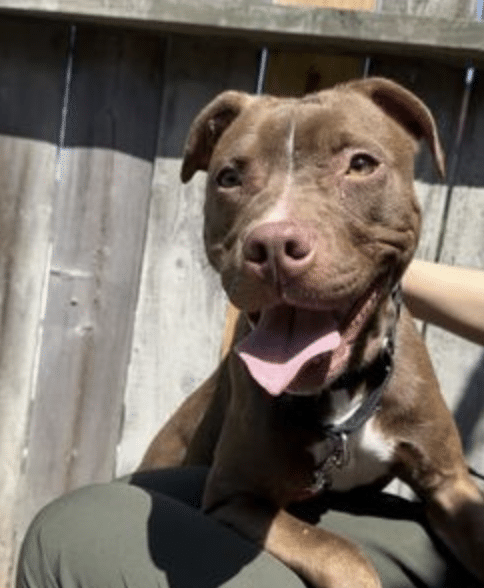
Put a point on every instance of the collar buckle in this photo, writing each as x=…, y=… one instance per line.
x=337, y=457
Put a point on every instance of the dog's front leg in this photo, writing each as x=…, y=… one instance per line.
x=190, y=435
x=322, y=558
x=433, y=464
x=455, y=512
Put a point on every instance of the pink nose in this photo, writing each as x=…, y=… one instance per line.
x=279, y=249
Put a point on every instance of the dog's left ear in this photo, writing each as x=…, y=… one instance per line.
x=405, y=108
x=207, y=128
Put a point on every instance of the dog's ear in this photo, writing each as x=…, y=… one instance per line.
x=207, y=129
x=406, y=108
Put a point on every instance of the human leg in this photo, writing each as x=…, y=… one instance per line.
x=123, y=535
x=147, y=531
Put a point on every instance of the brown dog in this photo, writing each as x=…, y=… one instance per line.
x=311, y=220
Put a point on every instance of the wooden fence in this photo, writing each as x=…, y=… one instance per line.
x=109, y=313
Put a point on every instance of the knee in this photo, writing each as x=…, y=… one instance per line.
x=40, y=553
x=68, y=538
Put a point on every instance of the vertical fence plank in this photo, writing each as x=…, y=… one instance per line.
x=32, y=60
x=459, y=363
x=99, y=230
x=181, y=306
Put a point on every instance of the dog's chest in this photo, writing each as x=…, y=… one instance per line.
x=368, y=457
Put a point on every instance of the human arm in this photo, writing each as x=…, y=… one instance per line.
x=450, y=297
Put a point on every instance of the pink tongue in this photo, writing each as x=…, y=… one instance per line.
x=283, y=342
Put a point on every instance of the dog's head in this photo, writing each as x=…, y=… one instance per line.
x=310, y=216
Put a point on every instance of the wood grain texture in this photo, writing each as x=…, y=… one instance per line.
x=447, y=9
x=460, y=364
x=339, y=4
x=181, y=309
x=99, y=230
x=31, y=75
x=268, y=23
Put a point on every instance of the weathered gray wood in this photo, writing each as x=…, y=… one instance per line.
x=260, y=21
x=99, y=229
x=340, y=4
x=181, y=309
x=449, y=9
x=31, y=66
x=460, y=364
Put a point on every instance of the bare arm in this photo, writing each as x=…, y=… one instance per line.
x=450, y=297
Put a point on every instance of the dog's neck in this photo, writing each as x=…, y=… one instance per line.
x=356, y=395
x=348, y=402
x=345, y=408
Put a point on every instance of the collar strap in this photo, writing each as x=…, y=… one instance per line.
x=377, y=374
x=336, y=436
x=381, y=369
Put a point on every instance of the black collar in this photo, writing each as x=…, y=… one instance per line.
x=377, y=375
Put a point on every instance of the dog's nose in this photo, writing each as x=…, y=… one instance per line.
x=279, y=249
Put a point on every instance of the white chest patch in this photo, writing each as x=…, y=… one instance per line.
x=370, y=455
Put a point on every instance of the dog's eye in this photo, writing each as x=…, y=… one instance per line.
x=229, y=177
x=362, y=164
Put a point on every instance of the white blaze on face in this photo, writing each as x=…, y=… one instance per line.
x=280, y=212
x=290, y=159
x=286, y=338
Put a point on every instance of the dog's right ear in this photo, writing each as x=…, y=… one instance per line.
x=207, y=129
x=403, y=106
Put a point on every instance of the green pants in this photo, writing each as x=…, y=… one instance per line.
x=147, y=531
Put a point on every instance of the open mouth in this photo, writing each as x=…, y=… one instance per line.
x=299, y=351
